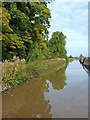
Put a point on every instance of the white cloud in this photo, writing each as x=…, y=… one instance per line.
x=71, y=0
x=72, y=19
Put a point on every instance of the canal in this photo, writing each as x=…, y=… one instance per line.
x=62, y=94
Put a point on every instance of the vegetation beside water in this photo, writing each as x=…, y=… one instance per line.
x=25, y=35
x=17, y=71
x=25, y=32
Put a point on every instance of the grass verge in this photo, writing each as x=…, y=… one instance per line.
x=17, y=71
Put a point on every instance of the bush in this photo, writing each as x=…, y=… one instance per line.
x=17, y=71
x=13, y=72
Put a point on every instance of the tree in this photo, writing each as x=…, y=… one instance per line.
x=81, y=56
x=57, y=45
x=70, y=56
x=29, y=21
x=10, y=41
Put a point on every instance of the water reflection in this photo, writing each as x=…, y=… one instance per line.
x=58, y=79
x=72, y=101
x=43, y=97
x=27, y=101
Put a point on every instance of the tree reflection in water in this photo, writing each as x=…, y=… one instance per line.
x=58, y=79
x=28, y=100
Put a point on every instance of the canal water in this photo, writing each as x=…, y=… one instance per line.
x=62, y=94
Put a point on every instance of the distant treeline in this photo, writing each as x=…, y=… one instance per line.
x=25, y=32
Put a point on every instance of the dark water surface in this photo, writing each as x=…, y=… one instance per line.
x=62, y=94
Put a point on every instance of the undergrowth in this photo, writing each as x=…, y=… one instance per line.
x=16, y=71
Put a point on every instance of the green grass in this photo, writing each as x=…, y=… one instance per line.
x=17, y=71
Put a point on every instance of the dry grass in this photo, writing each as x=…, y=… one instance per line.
x=16, y=71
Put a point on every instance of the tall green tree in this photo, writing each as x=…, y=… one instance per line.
x=57, y=45
x=10, y=41
x=29, y=21
x=81, y=56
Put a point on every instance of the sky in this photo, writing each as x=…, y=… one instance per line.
x=71, y=18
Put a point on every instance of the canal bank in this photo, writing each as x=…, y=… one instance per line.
x=62, y=94
x=17, y=71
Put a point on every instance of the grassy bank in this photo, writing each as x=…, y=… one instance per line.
x=17, y=71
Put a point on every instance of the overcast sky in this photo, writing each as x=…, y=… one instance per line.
x=71, y=18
